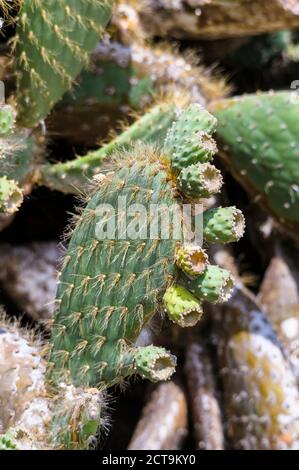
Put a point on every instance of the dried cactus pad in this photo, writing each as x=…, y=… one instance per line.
x=259, y=136
x=54, y=40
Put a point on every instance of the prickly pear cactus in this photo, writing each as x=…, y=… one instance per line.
x=113, y=281
x=54, y=40
x=108, y=288
x=258, y=135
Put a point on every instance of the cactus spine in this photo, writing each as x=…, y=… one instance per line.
x=54, y=40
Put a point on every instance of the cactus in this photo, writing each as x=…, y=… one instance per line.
x=192, y=260
x=200, y=180
x=182, y=307
x=214, y=285
x=111, y=285
x=258, y=135
x=223, y=225
x=189, y=140
x=11, y=196
x=53, y=42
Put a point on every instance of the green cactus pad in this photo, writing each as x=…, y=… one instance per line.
x=200, y=180
x=191, y=260
x=11, y=196
x=71, y=176
x=260, y=144
x=108, y=288
x=7, y=120
x=54, y=41
x=154, y=364
x=223, y=225
x=189, y=139
x=182, y=307
x=215, y=285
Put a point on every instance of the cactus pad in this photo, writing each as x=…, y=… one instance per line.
x=109, y=287
x=259, y=140
x=54, y=41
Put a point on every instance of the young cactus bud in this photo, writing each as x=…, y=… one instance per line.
x=7, y=119
x=11, y=196
x=154, y=363
x=215, y=285
x=189, y=139
x=223, y=225
x=191, y=260
x=182, y=307
x=200, y=180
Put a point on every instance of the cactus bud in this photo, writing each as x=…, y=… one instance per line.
x=154, y=363
x=200, y=180
x=223, y=225
x=191, y=260
x=182, y=307
x=215, y=285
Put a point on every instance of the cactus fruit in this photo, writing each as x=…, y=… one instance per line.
x=213, y=19
x=223, y=225
x=54, y=42
x=261, y=395
x=191, y=260
x=258, y=135
x=215, y=285
x=200, y=180
x=189, y=140
x=11, y=196
x=181, y=306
